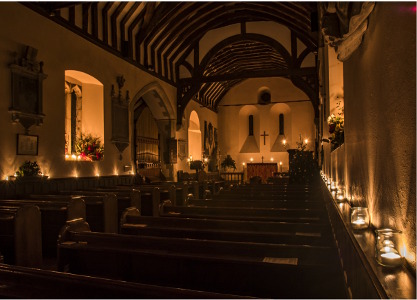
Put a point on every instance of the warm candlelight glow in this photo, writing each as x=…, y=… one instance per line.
x=280, y=163
x=284, y=142
x=306, y=141
x=243, y=163
x=272, y=159
x=74, y=157
x=66, y=156
x=6, y=178
x=251, y=159
x=359, y=222
x=359, y=217
x=387, y=246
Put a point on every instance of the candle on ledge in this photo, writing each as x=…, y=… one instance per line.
x=387, y=247
x=359, y=217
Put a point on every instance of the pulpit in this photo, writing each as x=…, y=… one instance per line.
x=263, y=170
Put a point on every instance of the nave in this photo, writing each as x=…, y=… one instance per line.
x=279, y=246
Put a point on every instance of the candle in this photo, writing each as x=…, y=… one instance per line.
x=387, y=247
x=359, y=218
x=389, y=257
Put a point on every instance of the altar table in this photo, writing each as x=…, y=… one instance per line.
x=263, y=170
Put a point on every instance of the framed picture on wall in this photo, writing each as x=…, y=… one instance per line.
x=27, y=144
x=182, y=149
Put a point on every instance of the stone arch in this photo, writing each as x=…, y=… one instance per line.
x=194, y=136
x=157, y=100
x=154, y=97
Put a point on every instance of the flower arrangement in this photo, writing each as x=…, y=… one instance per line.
x=336, y=129
x=28, y=168
x=89, y=147
x=228, y=162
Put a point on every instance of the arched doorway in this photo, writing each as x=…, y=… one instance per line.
x=194, y=137
x=146, y=139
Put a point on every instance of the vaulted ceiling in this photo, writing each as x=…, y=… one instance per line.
x=158, y=37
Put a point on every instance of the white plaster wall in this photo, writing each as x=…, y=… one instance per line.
x=60, y=50
x=379, y=165
x=282, y=90
x=92, y=111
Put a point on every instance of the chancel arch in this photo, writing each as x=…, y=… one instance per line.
x=84, y=112
x=194, y=137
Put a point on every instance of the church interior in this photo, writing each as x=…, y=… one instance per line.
x=199, y=150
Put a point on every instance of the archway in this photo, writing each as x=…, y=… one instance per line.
x=84, y=114
x=153, y=97
x=194, y=136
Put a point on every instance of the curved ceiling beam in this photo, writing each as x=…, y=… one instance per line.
x=246, y=37
x=194, y=36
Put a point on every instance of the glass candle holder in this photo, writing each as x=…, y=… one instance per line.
x=340, y=195
x=359, y=218
x=387, y=247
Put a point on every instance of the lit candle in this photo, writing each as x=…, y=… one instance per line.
x=359, y=218
x=387, y=253
x=251, y=159
x=389, y=257
x=306, y=141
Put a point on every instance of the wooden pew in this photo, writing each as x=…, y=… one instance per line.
x=101, y=210
x=308, y=204
x=125, y=198
x=29, y=283
x=254, y=214
x=236, y=268
x=53, y=214
x=228, y=230
x=20, y=235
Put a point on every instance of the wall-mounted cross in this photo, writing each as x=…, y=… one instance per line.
x=264, y=135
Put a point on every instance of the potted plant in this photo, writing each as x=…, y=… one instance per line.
x=228, y=163
x=29, y=170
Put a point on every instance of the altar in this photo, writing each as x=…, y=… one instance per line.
x=263, y=170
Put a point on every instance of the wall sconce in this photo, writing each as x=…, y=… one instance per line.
x=387, y=247
x=359, y=217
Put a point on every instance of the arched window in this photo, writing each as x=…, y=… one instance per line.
x=281, y=124
x=194, y=137
x=84, y=117
x=250, y=124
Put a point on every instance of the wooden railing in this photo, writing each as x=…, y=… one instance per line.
x=233, y=177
